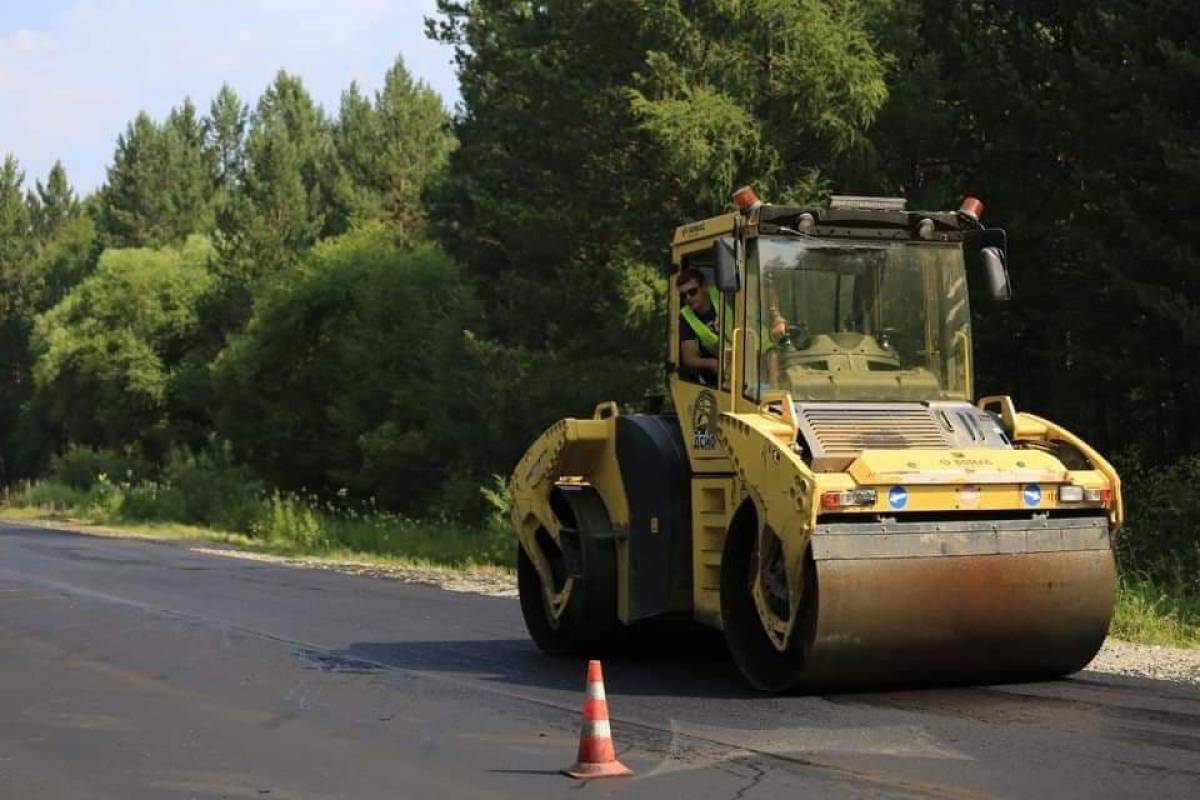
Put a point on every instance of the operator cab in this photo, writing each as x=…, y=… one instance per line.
x=861, y=301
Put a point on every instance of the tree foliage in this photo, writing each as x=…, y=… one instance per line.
x=391, y=147
x=108, y=354
x=16, y=292
x=589, y=130
x=159, y=186
x=341, y=377
x=287, y=198
x=1077, y=124
x=314, y=323
x=53, y=204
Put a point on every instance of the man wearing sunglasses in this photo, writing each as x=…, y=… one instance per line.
x=699, y=337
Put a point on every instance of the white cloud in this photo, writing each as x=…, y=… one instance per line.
x=70, y=85
x=23, y=41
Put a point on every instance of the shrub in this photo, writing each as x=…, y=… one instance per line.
x=81, y=467
x=150, y=501
x=288, y=520
x=1159, y=541
x=50, y=495
x=213, y=490
x=353, y=374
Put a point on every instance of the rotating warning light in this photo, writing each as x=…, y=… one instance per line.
x=971, y=208
x=746, y=200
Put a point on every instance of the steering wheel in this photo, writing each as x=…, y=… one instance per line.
x=798, y=336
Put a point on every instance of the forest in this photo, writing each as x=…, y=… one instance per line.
x=379, y=305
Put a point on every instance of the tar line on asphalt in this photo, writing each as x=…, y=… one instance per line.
x=829, y=770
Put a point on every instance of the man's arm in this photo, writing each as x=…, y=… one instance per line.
x=690, y=350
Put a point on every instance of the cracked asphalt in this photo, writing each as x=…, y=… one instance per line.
x=135, y=669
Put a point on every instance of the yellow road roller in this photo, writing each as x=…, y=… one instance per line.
x=822, y=485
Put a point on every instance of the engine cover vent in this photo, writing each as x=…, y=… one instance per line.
x=836, y=433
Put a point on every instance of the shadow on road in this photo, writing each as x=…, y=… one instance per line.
x=695, y=664
x=678, y=664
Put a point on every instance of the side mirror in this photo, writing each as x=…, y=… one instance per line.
x=725, y=255
x=995, y=274
x=987, y=258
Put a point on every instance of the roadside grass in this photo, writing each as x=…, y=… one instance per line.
x=282, y=524
x=1148, y=612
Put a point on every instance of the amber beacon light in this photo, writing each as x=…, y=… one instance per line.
x=971, y=207
x=746, y=200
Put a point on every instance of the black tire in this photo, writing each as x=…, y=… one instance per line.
x=761, y=664
x=589, y=624
x=555, y=640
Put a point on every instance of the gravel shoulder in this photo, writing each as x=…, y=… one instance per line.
x=1179, y=665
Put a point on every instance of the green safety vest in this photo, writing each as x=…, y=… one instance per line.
x=708, y=339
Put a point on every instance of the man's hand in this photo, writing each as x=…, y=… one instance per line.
x=693, y=360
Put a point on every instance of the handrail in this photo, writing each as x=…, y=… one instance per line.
x=733, y=369
x=970, y=367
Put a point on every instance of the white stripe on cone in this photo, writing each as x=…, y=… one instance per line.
x=597, y=729
x=595, y=691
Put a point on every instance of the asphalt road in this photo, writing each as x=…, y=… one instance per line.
x=134, y=669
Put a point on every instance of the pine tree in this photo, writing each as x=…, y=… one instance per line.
x=291, y=171
x=52, y=204
x=391, y=149
x=192, y=187
x=225, y=137
x=359, y=143
x=18, y=288
x=159, y=189
x=415, y=144
x=14, y=213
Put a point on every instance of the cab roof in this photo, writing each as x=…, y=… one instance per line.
x=845, y=217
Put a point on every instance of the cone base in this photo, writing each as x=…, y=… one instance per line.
x=588, y=769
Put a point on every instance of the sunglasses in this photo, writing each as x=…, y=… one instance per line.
x=688, y=294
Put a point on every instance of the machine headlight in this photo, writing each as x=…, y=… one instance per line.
x=1070, y=494
x=1077, y=494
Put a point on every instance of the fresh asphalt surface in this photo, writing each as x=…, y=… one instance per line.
x=132, y=669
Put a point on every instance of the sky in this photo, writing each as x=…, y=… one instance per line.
x=73, y=73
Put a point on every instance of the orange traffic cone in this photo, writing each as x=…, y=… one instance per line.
x=597, y=759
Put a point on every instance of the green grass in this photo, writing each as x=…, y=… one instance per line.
x=283, y=524
x=1150, y=613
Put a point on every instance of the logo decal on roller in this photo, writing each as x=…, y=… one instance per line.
x=1032, y=494
x=898, y=497
x=704, y=422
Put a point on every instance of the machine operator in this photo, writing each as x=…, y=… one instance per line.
x=699, y=336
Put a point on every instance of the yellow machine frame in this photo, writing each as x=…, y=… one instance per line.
x=753, y=465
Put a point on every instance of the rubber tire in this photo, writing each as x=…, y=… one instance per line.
x=589, y=624
x=555, y=641
x=764, y=667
